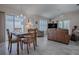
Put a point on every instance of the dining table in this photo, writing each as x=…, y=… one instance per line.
x=19, y=36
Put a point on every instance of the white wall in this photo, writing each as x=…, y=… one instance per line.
x=74, y=19
x=72, y=16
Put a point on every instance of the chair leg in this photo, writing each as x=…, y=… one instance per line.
x=10, y=48
x=34, y=46
x=28, y=48
x=35, y=42
x=21, y=45
x=29, y=45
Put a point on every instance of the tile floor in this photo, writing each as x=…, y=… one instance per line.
x=45, y=47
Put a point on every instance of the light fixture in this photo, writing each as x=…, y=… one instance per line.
x=21, y=12
x=21, y=15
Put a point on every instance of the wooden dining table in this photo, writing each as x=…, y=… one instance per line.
x=19, y=36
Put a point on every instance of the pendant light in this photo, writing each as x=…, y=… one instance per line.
x=21, y=12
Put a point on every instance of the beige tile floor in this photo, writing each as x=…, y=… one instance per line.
x=45, y=47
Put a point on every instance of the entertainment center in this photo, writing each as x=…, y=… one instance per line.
x=57, y=34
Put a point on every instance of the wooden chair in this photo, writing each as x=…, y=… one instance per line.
x=10, y=41
x=29, y=38
x=35, y=37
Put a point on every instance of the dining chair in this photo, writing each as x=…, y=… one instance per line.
x=29, y=38
x=35, y=33
x=11, y=40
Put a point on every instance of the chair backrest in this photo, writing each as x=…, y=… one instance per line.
x=33, y=31
x=9, y=35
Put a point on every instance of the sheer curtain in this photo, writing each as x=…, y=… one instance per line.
x=13, y=22
x=9, y=22
x=42, y=25
x=19, y=23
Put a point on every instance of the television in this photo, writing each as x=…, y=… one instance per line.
x=52, y=25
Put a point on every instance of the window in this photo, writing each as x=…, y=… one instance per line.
x=60, y=24
x=64, y=24
x=13, y=22
x=19, y=23
x=9, y=22
x=42, y=25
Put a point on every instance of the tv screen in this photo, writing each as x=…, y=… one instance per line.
x=52, y=25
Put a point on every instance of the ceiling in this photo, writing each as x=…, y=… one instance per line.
x=46, y=10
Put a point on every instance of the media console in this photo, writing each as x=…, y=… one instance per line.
x=60, y=35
